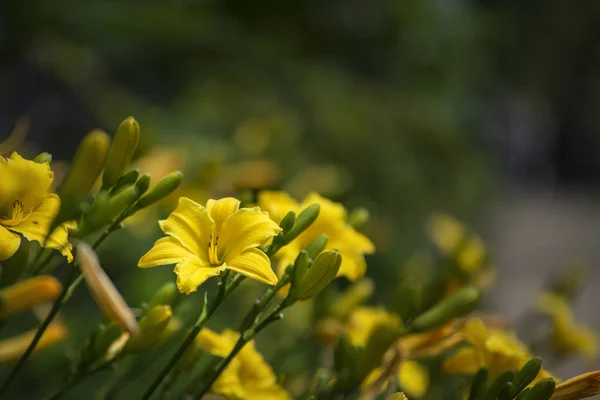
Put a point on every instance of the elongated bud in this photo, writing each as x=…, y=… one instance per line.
x=542, y=390
x=505, y=392
x=526, y=375
x=579, y=387
x=300, y=267
x=123, y=146
x=496, y=384
x=303, y=221
x=87, y=165
x=356, y=294
x=408, y=299
x=162, y=189
x=12, y=349
x=479, y=383
x=323, y=270
x=101, y=341
x=523, y=394
x=458, y=304
x=317, y=246
x=152, y=327
x=103, y=291
x=126, y=180
x=43, y=158
x=164, y=295
x=358, y=218
x=287, y=222
x=24, y=295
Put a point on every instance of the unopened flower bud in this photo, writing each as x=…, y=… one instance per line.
x=162, y=189
x=24, y=295
x=358, y=218
x=479, y=383
x=323, y=270
x=87, y=165
x=125, y=181
x=164, y=295
x=526, y=375
x=12, y=349
x=579, y=387
x=123, y=146
x=497, y=383
x=287, y=222
x=152, y=327
x=543, y=390
x=505, y=392
x=380, y=340
x=103, y=290
x=43, y=158
x=458, y=304
x=317, y=246
x=303, y=221
x=101, y=341
x=300, y=267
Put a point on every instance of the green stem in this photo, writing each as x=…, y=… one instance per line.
x=224, y=290
x=78, y=378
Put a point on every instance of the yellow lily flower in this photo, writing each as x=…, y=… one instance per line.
x=248, y=376
x=411, y=375
x=493, y=348
x=364, y=319
x=351, y=244
x=567, y=335
x=27, y=208
x=204, y=241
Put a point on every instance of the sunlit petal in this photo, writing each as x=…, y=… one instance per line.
x=9, y=243
x=166, y=250
x=192, y=272
x=191, y=224
x=277, y=204
x=254, y=264
x=221, y=209
x=413, y=378
x=464, y=361
x=245, y=229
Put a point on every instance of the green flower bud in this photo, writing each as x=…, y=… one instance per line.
x=126, y=180
x=123, y=146
x=408, y=299
x=344, y=357
x=358, y=218
x=87, y=165
x=317, y=246
x=526, y=375
x=105, y=209
x=164, y=295
x=323, y=270
x=142, y=184
x=505, y=391
x=542, y=390
x=380, y=340
x=43, y=158
x=101, y=340
x=300, y=267
x=152, y=326
x=458, y=304
x=162, y=189
x=479, y=383
x=499, y=381
x=303, y=221
x=523, y=394
x=288, y=222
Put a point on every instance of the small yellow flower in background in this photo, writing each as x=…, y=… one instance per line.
x=248, y=376
x=567, y=334
x=26, y=207
x=204, y=241
x=12, y=348
x=364, y=319
x=397, y=396
x=493, y=348
x=412, y=377
x=24, y=295
x=579, y=387
x=331, y=221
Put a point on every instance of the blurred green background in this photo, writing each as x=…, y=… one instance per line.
x=403, y=107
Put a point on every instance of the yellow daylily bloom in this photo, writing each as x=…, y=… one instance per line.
x=27, y=207
x=567, y=334
x=493, y=348
x=412, y=377
x=204, y=241
x=331, y=221
x=364, y=319
x=248, y=376
x=26, y=294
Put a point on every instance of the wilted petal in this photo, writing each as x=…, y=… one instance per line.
x=166, y=250
x=190, y=224
x=254, y=264
x=243, y=230
x=221, y=209
x=192, y=272
x=9, y=243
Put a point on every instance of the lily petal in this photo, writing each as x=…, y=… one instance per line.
x=245, y=229
x=463, y=361
x=9, y=243
x=192, y=272
x=413, y=378
x=190, y=224
x=353, y=265
x=278, y=204
x=37, y=224
x=221, y=209
x=254, y=264
x=166, y=250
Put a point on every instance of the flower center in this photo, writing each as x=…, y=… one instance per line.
x=213, y=256
x=17, y=215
